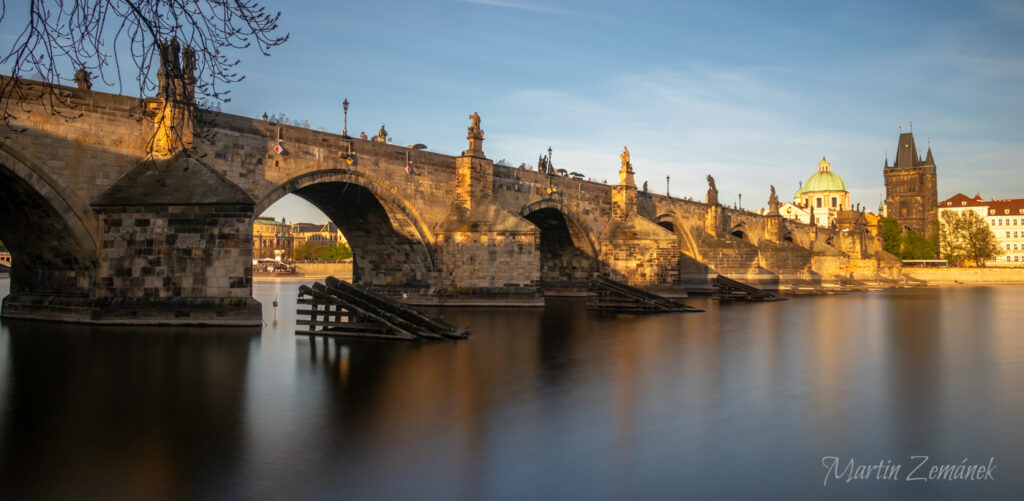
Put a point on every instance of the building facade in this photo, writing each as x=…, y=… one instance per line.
x=1004, y=217
x=911, y=191
x=324, y=234
x=271, y=239
x=821, y=198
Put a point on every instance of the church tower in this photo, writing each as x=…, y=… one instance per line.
x=911, y=191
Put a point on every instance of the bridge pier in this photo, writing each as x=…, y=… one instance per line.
x=485, y=254
x=176, y=248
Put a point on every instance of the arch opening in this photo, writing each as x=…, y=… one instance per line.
x=388, y=249
x=561, y=259
x=738, y=234
x=48, y=254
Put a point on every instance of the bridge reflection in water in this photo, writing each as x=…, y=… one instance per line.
x=742, y=401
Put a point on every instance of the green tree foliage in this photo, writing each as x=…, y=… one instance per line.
x=905, y=245
x=966, y=239
x=916, y=246
x=892, y=235
x=312, y=251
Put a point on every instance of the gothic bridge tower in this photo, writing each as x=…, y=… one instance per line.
x=911, y=192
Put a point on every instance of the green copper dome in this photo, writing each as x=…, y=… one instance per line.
x=823, y=180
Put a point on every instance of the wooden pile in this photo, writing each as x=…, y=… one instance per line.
x=340, y=309
x=611, y=295
x=731, y=290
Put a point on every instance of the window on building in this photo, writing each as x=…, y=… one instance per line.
x=834, y=202
x=1007, y=234
x=818, y=202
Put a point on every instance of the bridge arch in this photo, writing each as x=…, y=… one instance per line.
x=391, y=244
x=672, y=222
x=52, y=249
x=581, y=236
x=567, y=250
x=740, y=231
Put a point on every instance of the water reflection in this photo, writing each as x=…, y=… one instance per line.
x=121, y=412
x=741, y=401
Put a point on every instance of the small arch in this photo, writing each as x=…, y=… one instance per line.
x=580, y=235
x=738, y=231
x=671, y=222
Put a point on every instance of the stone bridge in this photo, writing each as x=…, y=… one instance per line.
x=103, y=228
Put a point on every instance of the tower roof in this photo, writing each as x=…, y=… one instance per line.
x=906, y=153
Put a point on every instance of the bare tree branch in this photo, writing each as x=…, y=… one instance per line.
x=61, y=37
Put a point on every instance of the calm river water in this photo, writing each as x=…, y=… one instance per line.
x=742, y=401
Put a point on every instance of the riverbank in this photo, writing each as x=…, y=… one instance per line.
x=967, y=276
x=310, y=271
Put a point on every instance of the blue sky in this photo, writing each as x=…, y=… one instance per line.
x=753, y=93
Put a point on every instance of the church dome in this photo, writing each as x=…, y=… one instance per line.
x=823, y=180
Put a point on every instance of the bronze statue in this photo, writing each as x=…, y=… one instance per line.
x=382, y=134
x=83, y=79
x=711, y=183
x=625, y=159
x=645, y=186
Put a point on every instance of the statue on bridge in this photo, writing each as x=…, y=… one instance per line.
x=712, y=197
x=382, y=134
x=474, y=127
x=626, y=172
x=773, y=202
x=83, y=79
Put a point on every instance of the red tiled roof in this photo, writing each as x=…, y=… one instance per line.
x=1009, y=206
x=956, y=201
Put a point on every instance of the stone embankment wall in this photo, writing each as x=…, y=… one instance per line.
x=967, y=276
x=313, y=271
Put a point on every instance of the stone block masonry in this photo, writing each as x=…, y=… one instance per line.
x=175, y=251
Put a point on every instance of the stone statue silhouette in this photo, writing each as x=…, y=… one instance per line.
x=83, y=79
x=645, y=186
x=712, y=197
x=625, y=159
x=773, y=201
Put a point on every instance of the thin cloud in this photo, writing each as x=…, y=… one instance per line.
x=518, y=5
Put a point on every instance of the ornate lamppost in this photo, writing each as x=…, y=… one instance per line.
x=344, y=104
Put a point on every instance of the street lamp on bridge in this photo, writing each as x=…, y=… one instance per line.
x=344, y=104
